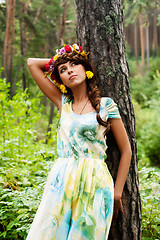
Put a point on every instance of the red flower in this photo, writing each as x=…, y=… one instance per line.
x=53, y=76
x=46, y=67
x=50, y=61
x=80, y=48
x=68, y=48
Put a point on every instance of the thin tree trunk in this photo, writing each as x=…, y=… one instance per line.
x=147, y=44
x=142, y=43
x=7, y=33
x=10, y=63
x=9, y=44
x=135, y=42
x=155, y=35
x=23, y=44
x=100, y=31
x=35, y=20
x=62, y=22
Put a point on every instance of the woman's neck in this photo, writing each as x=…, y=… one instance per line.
x=80, y=94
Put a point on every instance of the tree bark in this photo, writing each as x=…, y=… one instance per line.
x=100, y=31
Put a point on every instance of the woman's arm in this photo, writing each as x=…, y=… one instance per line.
x=123, y=143
x=36, y=67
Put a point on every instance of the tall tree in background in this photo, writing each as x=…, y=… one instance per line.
x=23, y=9
x=145, y=13
x=62, y=22
x=100, y=31
x=9, y=43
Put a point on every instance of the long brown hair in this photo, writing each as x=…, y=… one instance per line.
x=92, y=84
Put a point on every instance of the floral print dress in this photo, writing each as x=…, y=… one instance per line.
x=77, y=202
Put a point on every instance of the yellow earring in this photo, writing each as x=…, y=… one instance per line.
x=89, y=74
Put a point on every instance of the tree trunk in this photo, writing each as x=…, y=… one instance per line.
x=135, y=42
x=10, y=62
x=9, y=44
x=100, y=31
x=155, y=35
x=7, y=32
x=141, y=42
x=62, y=22
x=147, y=44
x=23, y=43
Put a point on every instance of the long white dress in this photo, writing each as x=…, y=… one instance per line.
x=77, y=202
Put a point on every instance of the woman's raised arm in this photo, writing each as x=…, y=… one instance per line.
x=36, y=67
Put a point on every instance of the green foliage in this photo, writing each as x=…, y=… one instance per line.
x=40, y=23
x=147, y=120
x=145, y=93
x=25, y=162
x=132, y=9
x=150, y=196
x=144, y=88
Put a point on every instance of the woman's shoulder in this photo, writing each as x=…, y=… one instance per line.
x=110, y=106
x=107, y=101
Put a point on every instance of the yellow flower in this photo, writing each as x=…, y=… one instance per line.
x=84, y=54
x=47, y=73
x=89, y=74
x=63, y=88
x=55, y=57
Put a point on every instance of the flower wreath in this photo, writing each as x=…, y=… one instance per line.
x=49, y=67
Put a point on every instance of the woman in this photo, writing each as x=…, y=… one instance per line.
x=77, y=202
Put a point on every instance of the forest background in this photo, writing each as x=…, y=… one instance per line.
x=28, y=120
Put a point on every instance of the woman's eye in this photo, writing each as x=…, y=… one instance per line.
x=73, y=63
x=62, y=70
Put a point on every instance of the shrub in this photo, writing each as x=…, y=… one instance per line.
x=143, y=88
x=25, y=162
x=150, y=197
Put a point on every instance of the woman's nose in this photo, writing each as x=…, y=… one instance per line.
x=69, y=70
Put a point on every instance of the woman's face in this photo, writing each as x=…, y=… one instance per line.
x=72, y=74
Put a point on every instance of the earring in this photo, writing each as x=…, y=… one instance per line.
x=89, y=74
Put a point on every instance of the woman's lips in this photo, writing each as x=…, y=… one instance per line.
x=73, y=76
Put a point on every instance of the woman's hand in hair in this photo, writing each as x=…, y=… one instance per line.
x=36, y=67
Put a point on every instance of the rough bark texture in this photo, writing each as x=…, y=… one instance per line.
x=100, y=31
